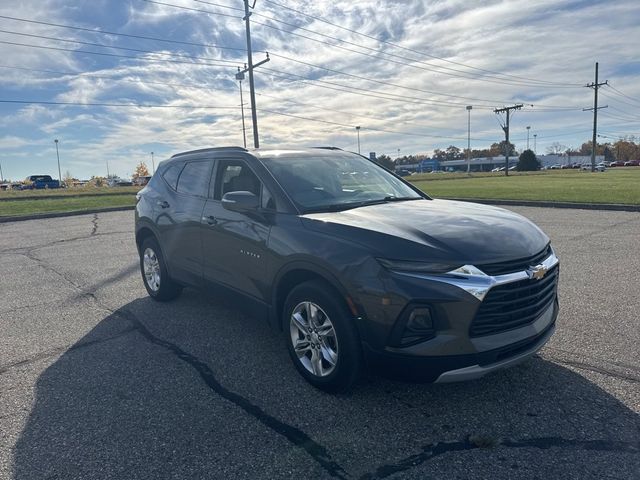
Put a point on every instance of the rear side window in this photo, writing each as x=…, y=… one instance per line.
x=194, y=179
x=171, y=175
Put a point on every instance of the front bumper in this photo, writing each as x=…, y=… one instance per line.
x=455, y=368
x=453, y=354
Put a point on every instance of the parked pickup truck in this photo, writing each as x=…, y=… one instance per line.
x=39, y=182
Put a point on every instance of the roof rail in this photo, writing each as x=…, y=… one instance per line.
x=328, y=148
x=211, y=149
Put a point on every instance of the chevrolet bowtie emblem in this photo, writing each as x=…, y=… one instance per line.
x=538, y=272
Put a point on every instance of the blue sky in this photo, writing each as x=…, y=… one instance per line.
x=408, y=94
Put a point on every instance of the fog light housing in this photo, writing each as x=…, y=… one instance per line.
x=420, y=320
x=416, y=324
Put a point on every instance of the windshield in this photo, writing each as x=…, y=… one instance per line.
x=336, y=182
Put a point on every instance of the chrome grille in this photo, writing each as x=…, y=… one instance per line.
x=513, y=305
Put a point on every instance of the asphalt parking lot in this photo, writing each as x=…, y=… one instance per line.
x=98, y=381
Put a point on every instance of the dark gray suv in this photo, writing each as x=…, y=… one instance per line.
x=356, y=266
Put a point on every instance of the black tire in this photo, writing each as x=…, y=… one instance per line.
x=348, y=365
x=168, y=289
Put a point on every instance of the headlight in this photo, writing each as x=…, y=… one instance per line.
x=418, y=267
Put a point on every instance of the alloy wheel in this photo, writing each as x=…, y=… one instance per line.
x=314, y=339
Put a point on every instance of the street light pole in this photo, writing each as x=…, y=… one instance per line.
x=469, y=107
x=58, y=155
x=528, y=128
x=535, y=137
x=153, y=165
x=358, y=133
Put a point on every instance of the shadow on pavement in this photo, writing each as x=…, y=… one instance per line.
x=193, y=389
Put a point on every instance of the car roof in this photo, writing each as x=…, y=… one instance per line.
x=268, y=151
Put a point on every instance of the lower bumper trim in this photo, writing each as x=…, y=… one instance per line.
x=477, y=371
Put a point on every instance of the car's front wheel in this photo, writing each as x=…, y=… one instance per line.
x=156, y=278
x=321, y=337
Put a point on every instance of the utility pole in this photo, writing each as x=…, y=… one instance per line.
x=240, y=77
x=528, y=128
x=469, y=108
x=505, y=127
x=252, y=92
x=58, y=155
x=250, y=67
x=107, y=169
x=153, y=165
x=594, y=146
x=358, y=133
x=535, y=138
x=1, y=175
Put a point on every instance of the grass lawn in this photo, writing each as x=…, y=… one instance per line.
x=64, y=204
x=616, y=185
x=68, y=191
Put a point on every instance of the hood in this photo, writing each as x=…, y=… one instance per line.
x=434, y=230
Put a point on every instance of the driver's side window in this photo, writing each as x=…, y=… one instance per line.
x=236, y=176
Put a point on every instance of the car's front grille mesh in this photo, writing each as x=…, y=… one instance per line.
x=500, y=268
x=514, y=305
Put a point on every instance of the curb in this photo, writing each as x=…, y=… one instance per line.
x=533, y=203
x=64, y=214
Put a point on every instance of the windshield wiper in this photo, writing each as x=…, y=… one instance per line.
x=400, y=199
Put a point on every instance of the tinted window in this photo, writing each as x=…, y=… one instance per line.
x=194, y=179
x=235, y=176
x=171, y=174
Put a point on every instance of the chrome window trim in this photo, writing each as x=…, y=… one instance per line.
x=477, y=283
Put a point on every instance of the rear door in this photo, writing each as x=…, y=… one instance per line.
x=234, y=244
x=178, y=216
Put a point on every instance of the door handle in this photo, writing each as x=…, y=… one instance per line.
x=211, y=220
x=162, y=203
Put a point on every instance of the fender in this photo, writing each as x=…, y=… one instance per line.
x=322, y=271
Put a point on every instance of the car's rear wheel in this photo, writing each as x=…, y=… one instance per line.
x=155, y=276
x=321, y=337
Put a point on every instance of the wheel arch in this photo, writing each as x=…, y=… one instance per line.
x=299, y=272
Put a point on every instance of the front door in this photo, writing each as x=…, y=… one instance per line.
x=233, y=243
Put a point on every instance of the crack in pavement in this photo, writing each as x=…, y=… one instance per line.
x=293, y=434
x=434, y=450
x=296, y=436
x=94, y=221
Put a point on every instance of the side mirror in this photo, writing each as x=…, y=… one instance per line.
x=240, y=201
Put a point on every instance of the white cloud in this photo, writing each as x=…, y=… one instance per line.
x=546, y=40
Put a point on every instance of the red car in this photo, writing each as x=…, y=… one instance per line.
x=632, y=163
x=617, y=163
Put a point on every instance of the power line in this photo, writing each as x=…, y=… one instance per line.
x=214, y=59
x=102, y=45
x=195, y=107
x=106, y=104
x=128, y=35
x=410, y=49
x=200, y=87
x=378, y=52
x=111, y=54
x=393, y=95
x=623, y=94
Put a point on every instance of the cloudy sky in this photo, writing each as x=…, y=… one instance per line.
x=401, y=70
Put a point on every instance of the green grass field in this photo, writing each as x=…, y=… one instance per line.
x=63, y=203
x=616, y=185
x=68, y=191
